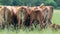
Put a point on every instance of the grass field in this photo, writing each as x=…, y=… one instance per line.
x=55, y=19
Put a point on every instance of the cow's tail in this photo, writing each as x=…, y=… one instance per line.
x=54, y=26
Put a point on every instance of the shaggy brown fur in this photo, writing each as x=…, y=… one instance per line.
x=22, y=15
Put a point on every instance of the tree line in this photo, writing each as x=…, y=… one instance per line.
x=27, y=2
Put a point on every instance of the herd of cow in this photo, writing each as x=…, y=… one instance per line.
x=18, y=15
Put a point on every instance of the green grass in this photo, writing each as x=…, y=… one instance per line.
x=55, y=19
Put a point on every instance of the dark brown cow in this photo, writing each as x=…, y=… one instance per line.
x=14, y=17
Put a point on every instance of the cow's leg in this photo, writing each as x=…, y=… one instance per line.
x=23, y=19
x=8, y=19
x=40, y=22
x=7, y=23
x=48, y=22
x=23, y=22
x=31, y=20
x=5, y=19
x=19, y=23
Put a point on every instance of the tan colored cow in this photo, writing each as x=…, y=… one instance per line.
x=7, y=15
x=22, y=15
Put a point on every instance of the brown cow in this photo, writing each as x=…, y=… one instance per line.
x=14, y=17
x=7, y=15
x=35, y=15
x=43, y=13
x=22, y=15
x=48, y=14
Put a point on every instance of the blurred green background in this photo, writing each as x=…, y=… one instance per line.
x=55, y=3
